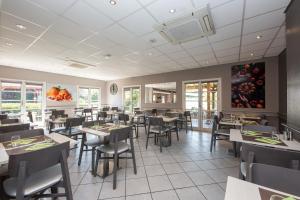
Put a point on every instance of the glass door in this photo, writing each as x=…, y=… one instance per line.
x=11, y=101
x=202, y=100
x=131, y=98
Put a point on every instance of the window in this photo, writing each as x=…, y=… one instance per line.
x=131, y=98
x=89, y=97
x=34, y=100
x=11, y=97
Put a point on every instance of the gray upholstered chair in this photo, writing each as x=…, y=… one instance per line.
x=217, y=134
x=11, y=128
x=278, y=178
x=267, y=155
x=87, y=142
x=32, y=173
x=156, y=127
x=117, y=145
x=88, y=113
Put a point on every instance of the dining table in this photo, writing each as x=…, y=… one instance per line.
x=237, y=189
x=102, y=131
x=263, y=139
x=30, y=144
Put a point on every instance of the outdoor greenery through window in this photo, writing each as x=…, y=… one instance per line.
x=11, y=97
x=89, y=97
x=131, y=99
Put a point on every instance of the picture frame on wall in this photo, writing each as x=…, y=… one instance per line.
x=248, y=86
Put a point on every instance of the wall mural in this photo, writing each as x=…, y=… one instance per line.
x=60, y=94
x=248, y=85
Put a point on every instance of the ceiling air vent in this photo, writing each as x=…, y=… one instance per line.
x=78, y=64
x=190, y=27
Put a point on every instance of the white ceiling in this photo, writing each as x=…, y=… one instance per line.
x=87, y=30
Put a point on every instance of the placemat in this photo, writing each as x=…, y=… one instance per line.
x=269, y=195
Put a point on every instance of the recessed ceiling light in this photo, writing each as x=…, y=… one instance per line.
x=258, y=37
x=172, y=10
x=112, y=2
x=9, y=44
x=107, y=56
x=20, y=26
x=251, y=54
x=150, y=54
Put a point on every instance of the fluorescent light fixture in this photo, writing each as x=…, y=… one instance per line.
x=172, y=10
x=258, y=37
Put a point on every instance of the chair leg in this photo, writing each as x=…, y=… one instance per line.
x=147, y=141
x=81, y=151
x=186, y=127
x=98, y=155
x=211, y=143
x=137, y=131
x=54, y=190
x=93, y=160
x=160, y=143
x=115, y=172
x=177, y=134
x=145, y=129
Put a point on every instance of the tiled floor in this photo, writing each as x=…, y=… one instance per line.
x=185, y=171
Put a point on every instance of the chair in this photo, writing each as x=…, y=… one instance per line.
x=261, y=128
x=22, y=134
x=186, y=119
x=278, y=178
x=116, y=147
x=154, y=112
x=32, y=124
x=88, y=113
x=102, y=116
x=123, y=118
x=9, y=121
x=3, y=116
x=139, y=121
x=86, y=142
x=267, y=155
x=105, y=109
x=217, y=134
x=32, y=173
x=58, y=113
x=156, y=127
x=71, y=127
x=114, y=108
x=11, y=128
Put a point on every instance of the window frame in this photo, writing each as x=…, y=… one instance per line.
x=90, y=102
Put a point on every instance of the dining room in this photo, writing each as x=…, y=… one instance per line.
x=149, y=99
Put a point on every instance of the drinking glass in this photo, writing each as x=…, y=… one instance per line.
x=14, y=140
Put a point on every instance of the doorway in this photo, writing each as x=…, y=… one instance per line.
x=131, y=98
x=202, y=99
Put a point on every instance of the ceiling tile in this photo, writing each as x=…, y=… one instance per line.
x=160, y=9
x=57, y=6
x=146, y=2
x=118, y=34
x=195, y=43
x=70, y=29
x=178, y=55
x=211, y=3
x=225, y=44
x=93, y=20
x=245, y=54
x=282, y=31
x=274, y=51
x=228, y=13
x=226, y=32
x=116, y=12
x=11, y=21
x=159, y=40
x=204, y=57
x=169, y=48
x=16, y=36
x=28, y=11
x=139, y=23
x=257, y=7
x=263, y=22
x=227, y=52
x=200, y=50
x=265, y=35
x=255, y=47
x=81, y=51
x=99, y=41
x=46, y=48
x=53, y=37
x=231, y=58
x=279, y=41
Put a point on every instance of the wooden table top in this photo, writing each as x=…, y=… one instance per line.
x=237, y=189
